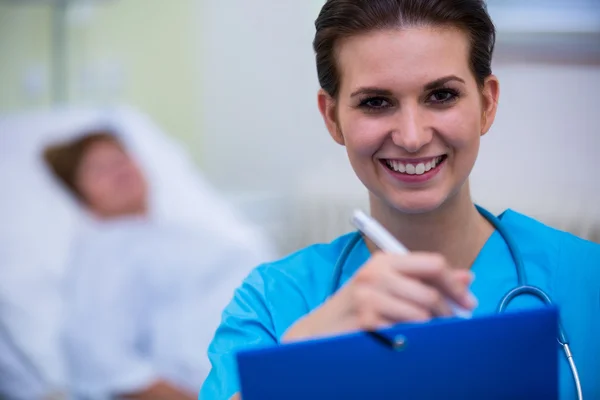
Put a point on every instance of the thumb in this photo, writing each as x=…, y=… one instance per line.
x=465, y=277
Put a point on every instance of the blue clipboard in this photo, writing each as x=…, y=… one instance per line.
x=513, y=355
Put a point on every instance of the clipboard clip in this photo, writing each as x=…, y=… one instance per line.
x=397, y=343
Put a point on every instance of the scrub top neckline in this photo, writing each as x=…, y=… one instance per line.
x=361, y=254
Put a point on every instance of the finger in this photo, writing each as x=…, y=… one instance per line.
x=379, y=307
x=418, y=265
x=452, y=285
x=433, y=269
x=385, y=273
x=417, y=292
x=367, y=315
x=465, y=277
x=370, y=320
x=399, y=310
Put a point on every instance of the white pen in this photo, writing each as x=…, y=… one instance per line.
x=388, y=243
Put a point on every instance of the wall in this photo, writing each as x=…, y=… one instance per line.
x=261, y=127
x=546, y=132
x=24, y=52
x=141, y=50
x=138, y=52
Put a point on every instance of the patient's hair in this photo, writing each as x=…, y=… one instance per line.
x=64, y=158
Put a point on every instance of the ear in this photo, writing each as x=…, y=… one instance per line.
x=328, y=109
x=490, y=95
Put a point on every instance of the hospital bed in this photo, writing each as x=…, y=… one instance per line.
x=40, y=221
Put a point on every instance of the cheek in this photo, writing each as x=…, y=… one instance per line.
x=97, y=190
x=138, y=176
x=363, y=135
x=460, y=127
x=104, y=191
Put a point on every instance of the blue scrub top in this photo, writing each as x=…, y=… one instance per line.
x=277, y=294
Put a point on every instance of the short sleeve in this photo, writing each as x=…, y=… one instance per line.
x=246, y=322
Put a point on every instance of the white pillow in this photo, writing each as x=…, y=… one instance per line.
x=39, y=219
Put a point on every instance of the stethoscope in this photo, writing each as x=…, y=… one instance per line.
x=522, y=287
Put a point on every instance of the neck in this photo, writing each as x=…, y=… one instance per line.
x=133, y=212
x=455, y=230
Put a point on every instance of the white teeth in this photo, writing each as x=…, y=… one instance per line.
x=412, y=169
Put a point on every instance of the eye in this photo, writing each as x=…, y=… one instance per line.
x=443, y=96
x=375, y=103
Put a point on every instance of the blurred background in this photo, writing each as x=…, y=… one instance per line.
x=217, y=101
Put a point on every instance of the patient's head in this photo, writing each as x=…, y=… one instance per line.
x=97, y=169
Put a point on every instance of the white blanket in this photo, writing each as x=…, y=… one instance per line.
x=144, y=300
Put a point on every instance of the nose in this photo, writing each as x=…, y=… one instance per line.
x=411, y=132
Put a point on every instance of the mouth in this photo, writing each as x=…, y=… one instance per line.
x=422, y=167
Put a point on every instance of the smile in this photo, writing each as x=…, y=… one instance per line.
x=420, y=168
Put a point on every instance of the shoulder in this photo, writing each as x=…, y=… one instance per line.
x=539, y=234
x=568, y=253
x=307, y=270
x=309, y=260
x=292, y=286
x=110, y=234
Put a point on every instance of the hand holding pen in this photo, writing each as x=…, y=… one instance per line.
x=389, y=244
x=393, y=286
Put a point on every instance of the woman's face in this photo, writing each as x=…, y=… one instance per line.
x=110, y=181
x=410, y=114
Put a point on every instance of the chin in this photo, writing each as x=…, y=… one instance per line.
x=422, y=202
x=420, y=208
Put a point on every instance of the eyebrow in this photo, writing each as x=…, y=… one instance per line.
x=440, y=82
x=374, y=91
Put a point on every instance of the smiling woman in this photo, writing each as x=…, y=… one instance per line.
x=407, y=89
x=433, y=113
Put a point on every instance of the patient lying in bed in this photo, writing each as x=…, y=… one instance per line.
x=143, y=299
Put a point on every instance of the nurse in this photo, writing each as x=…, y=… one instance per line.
x=407, y=88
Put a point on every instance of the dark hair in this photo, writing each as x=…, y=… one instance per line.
x=340, y=19
x=64, y=159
